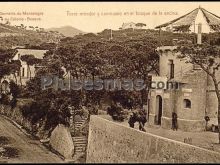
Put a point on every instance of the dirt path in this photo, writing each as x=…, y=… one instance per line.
x=23, y=149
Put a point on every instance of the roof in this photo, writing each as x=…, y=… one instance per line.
x=37, y=53
x=185, y=19
x=188, y=19
x=128, y=24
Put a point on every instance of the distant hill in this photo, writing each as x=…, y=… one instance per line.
x=67, y=31
x=13, y=35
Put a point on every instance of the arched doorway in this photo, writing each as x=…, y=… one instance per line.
x=159, y=108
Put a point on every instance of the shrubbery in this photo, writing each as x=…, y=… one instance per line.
x=5, y=99
x=48, y=106
x=116, y=112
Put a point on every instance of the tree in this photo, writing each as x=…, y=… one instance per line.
x=182, y=28
x=83, y=58
x=138, y=58
x=22, y=26
x=92, y=59
x=15, y=91
x=5, y=57
x=14, y=66
x=140, y=25
x=208, y=58
x=70, y=58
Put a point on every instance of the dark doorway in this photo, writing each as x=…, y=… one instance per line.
x=159, y=109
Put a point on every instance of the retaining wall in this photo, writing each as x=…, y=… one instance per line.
x=111, y=142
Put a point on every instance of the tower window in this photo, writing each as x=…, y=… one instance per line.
x=187, y=103
x=171, y=69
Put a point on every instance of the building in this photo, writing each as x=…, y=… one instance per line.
x=129, y=25
x=195, y=97
x=25, y=74
x=132, y=25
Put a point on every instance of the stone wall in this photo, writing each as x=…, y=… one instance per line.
x=111, y=142
x=62, y=142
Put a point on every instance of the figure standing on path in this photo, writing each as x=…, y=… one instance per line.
x=174, y=121
x=140, y=117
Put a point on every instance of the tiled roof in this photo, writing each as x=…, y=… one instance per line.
x=37, y=53
x=212, y=20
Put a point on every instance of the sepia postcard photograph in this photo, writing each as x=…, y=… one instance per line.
x=110, y=82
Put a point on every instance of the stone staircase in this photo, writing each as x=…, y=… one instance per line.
x=75, y=126
x=80, y=142
x=80, y=146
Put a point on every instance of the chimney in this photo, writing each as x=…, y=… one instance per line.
x=199, y=35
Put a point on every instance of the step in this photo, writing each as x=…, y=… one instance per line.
x=79, y=140
x=80, y=147
x=79, y=137
x=80, y=150
x=79, y=123
x=78, y=155
x=81, y=120
x=80, y=144
x=76, y=128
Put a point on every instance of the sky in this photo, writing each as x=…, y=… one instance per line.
x=103, y=15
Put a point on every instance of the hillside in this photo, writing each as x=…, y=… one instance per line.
x=67, y=31
x=162, y=37
x=12, y=36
